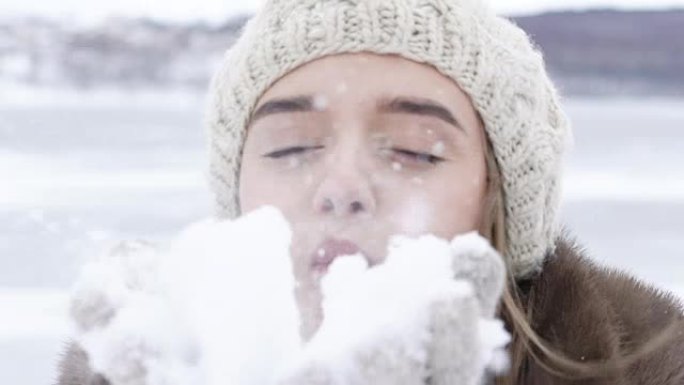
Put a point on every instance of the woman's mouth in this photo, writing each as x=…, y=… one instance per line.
x=328, y=250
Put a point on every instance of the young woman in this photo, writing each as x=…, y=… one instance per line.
x=364, y=119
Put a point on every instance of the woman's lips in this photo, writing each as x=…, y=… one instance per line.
x=330, y=249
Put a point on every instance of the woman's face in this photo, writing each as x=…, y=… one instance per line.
x=355, y=148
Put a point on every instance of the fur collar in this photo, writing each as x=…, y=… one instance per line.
x=590, y=313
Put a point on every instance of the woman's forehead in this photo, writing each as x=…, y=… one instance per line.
x=368, y=84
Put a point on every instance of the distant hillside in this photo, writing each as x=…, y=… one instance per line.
x=606, y=51
x=593, y=52
x=119, y=52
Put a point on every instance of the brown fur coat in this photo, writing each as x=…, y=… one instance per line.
x=593, y=313
x=585, y=311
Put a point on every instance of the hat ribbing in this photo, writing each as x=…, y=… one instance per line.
x=490, y=58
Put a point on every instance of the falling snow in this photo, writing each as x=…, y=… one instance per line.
x=320, y=103
x=438, y=148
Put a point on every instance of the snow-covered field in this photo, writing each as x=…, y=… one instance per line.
x=80, y=171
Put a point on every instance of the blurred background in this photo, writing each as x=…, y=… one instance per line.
x=101, y=139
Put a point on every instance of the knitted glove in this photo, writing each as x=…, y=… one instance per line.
x=124, y=322
x=423, y=316
x=216, y=308
x=152, y=318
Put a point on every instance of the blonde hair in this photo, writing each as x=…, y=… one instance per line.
x=526, y=343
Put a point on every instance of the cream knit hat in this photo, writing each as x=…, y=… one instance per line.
x=491, y=59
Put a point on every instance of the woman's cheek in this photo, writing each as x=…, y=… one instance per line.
x=415, y=215
x=446, y=202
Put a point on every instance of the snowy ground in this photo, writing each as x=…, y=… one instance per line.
x=80, y=171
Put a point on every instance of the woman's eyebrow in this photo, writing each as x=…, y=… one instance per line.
x=284, y=105
x=417, y=106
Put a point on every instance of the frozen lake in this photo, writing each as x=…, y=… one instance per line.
x=80, y=172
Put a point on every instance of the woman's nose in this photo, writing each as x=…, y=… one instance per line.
x=344, y=191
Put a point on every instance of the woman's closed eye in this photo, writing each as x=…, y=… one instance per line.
x=290, y=151
x=402, y=153
x=416, y=156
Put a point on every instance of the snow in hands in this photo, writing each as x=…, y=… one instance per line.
x=217, y=307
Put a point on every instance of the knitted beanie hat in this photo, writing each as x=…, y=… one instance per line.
x=491, y=59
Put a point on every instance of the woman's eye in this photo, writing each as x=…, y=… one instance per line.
x=296, y=150
x=421, y=157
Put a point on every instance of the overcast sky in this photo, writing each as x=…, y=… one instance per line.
x=218, y=10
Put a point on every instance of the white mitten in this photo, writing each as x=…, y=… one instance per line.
x=124, y=320
x=423, y=316
x=216, y=309
x=467, y=340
